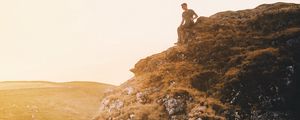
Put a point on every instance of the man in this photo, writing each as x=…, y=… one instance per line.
x=188, y=17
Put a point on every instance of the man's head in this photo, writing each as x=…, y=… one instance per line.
x=184, y=6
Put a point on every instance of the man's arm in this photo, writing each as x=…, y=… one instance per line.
x=195, y=16
x=182, y=21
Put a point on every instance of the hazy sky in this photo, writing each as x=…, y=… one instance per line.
x=91, y=40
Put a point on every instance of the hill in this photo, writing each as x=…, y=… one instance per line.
x=38, y=100
x=236, y=65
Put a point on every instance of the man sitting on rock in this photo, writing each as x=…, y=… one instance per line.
x=188, y=17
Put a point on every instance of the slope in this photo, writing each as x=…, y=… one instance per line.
x=236, y=65
x=49, y=101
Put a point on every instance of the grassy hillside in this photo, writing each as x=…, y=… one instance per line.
x=234, y=65
x=49, y=101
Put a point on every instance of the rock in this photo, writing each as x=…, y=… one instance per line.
x=131, y=116
x=289, y=75
x=175, y=106
x=172, y=83
x=129, y=90
x=141, y=97
x=104, y=104
x=116, y=105
x=270, y=115
x=179, y=117
x=111, y=105
x=235, y=97
x=236, y=65
x=293, y=41
x=237, y=116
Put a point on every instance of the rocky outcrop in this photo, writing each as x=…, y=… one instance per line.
x=236, y=65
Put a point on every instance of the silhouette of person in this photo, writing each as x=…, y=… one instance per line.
x=188, y=17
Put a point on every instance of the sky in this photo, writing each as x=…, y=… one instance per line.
x=92, y=40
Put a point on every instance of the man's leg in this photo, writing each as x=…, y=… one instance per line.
x=187, y=35
x=180, y=33
x=187, y=31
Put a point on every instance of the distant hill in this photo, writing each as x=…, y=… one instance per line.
x=235, y=65
x=39, y=100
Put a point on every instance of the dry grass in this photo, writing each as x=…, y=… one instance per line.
x=255, y=54
x=232, y=72
x=49, y=101
x=218, y=71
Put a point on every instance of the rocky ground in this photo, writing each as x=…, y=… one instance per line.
x=235, y=65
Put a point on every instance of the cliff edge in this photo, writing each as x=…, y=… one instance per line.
x=236, y=65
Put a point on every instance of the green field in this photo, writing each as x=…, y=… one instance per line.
x=50, y=101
